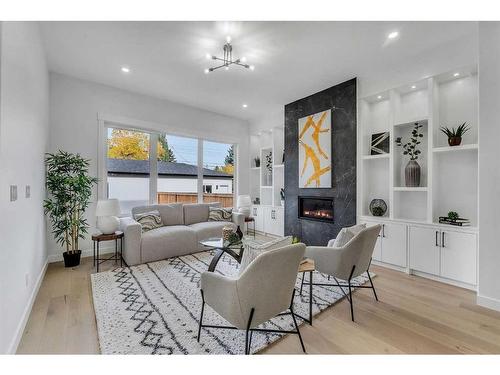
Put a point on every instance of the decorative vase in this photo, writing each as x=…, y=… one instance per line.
x=378, y=207
x=412, y=174
x=239, y=232
x=454, y=141
x=72, y=259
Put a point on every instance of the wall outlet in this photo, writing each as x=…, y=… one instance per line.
x=28, y=191
x=13, y=193
x=27, y=279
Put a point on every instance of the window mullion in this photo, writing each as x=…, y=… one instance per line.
x=153, y=168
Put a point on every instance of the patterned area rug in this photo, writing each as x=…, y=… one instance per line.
x=154, y=309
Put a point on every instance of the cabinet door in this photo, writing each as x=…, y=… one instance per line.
x=377, y=251
x=424, y=249
x=394, y=244
x=259, y=219
x=279, y=222
x=458, y=256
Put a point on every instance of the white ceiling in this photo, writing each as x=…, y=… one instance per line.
x=292, y=59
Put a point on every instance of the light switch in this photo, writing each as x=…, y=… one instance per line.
x=28, y=191
x=13, y=193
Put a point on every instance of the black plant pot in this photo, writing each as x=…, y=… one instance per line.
x=72, y=259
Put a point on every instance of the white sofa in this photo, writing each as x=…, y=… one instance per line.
x=184, y=226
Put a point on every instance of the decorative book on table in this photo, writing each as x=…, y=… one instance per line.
x=460, y=222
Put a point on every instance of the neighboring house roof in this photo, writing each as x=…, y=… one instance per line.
x=120, y=167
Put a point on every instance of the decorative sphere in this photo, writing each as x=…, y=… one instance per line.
x=378, y=207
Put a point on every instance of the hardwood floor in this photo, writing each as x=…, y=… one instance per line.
x=414, y=315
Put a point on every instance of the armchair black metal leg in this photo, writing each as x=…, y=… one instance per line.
x=302, y=282
x=373, y=287
x=201, y=315
x=298, y=331
x=247, y=343
x=350, y=300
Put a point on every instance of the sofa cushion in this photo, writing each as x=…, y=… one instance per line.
x=210, y=229
x=197, y=212
x=220, y=214
x=167, y=242
x=172, y=213
x=149, y=220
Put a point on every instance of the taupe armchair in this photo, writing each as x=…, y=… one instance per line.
x=347, y=262
x=265, y=289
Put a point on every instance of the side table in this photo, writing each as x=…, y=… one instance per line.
x=98, y=238
x=249, y=220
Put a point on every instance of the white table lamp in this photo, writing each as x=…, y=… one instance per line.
x=243, y=203
x=107, y=211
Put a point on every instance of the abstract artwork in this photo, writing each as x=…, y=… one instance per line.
x=380, y=143
x=315, y=150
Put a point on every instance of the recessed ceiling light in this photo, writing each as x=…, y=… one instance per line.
x=393, y=35
x=125, y=69
x=206, y=71
x=414, y=87
x=208, y=56
x=228, y=39
x=245, y=105
x=243, y=59
x=379, y=97
x=456, y=74
x=252, y=67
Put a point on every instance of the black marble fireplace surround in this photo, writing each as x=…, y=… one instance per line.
x=341, y=99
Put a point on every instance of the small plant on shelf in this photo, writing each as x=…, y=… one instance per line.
x=455, y=135
x=452, y=215
x=257, y=161
x=411, y=148
x=282, y=196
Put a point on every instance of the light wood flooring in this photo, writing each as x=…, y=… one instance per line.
x=414, y=315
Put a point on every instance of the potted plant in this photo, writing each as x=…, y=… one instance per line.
x=282, y=196
x=412, y=169
x=455, y=135
x=257, y=161
x=69, y=188
x=269, y=167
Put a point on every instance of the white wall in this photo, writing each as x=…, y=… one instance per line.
x=489, y=166
x=75, y=105
x=23, y=141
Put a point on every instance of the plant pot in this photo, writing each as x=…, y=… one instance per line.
x=412, y=174
x=72, y=259
x=454, y=141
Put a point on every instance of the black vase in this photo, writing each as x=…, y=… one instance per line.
x=72, y=259
x=239, y=232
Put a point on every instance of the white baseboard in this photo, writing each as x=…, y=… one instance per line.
x=27, y=311
x=488, y=302
x=58, y=257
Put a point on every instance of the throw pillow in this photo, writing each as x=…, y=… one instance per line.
x=220, y=214
x=253, y=250
x=149, y=220
x=355, y=229
x=344, y=236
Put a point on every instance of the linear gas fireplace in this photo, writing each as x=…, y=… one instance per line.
x=316, y=208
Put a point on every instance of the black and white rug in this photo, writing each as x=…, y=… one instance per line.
x=154, y=309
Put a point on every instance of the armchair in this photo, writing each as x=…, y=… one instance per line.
x=347, y=262
x=264, y=290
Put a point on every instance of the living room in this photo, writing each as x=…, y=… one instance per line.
x=302, y=186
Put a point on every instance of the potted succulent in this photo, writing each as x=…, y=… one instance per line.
x=69, y=188
x=257, y=161
x=455, y=135
x=412, y=169
x=282, y=196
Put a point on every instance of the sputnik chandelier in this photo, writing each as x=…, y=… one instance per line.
x=227, y=60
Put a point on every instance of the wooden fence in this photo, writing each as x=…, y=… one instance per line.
x=226, y=200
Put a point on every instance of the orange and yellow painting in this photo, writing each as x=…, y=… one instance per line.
x=315, y=141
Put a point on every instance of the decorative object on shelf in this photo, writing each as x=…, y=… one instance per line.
x=282, y=196
x=269, y=167
x=315, y=149
x=69, y=188
x=380, y=143
x=455, y=135
x=227, y=60
x=295, y=240
x=412, y=169
x=226, y=232
x=378, y=207
x=257, y=162
x=107, y=212
x=454, y=218
x=283, y=158
x=243, y=204
x=256, y=200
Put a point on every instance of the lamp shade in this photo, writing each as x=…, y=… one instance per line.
x=243, y=201
x=107, y=207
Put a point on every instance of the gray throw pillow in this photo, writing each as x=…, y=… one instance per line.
x=149, y=220
x=220, y=214
x=344, y=236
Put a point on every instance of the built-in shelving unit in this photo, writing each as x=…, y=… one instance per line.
x=449, y=175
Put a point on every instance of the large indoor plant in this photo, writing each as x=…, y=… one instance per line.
x=411, y=148
x=69, y=189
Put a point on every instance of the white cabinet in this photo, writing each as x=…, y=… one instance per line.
x=446, y=253
x=274, y=220
x=424, y=249
x=391, y=243
x=458, y=256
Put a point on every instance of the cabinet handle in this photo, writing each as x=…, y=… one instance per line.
x=383, y=230
x=437, y=233
x=442, y=239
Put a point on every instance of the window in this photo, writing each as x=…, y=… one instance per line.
x=218, y=172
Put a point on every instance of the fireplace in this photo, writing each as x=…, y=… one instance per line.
x=316, y=208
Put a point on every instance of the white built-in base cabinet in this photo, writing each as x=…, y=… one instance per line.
x=269, y=219
x=435, y=251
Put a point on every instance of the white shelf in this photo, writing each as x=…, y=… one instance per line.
x=255, y=168
x=380, y=156
x=404, y=188
x=421, y=121
x=470, y=147
x=267, y=186
x=279, y=165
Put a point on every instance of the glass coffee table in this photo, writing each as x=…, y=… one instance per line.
x=221, y=248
